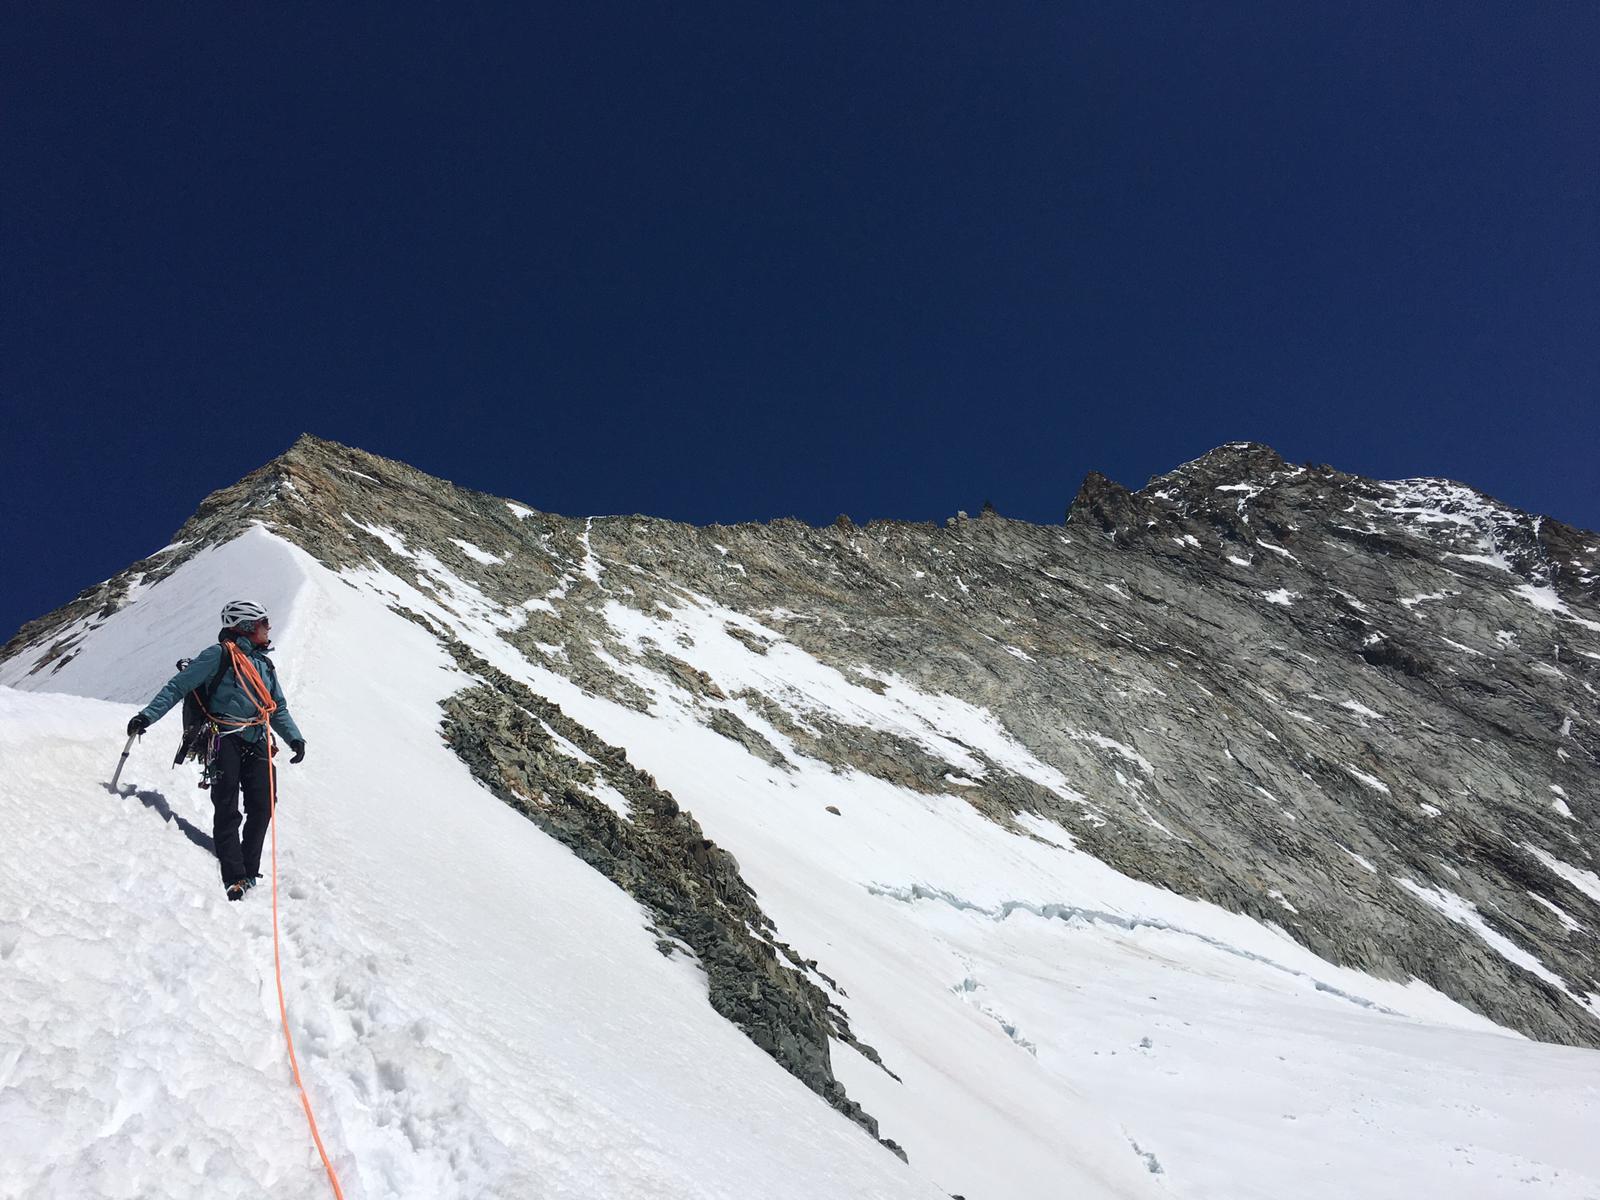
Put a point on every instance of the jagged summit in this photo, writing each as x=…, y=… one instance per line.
x=1231, y=462
x=1246, y=495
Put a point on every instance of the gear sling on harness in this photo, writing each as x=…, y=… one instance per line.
x=199, y=726
x=257, y=692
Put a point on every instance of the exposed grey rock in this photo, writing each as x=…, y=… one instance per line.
x=659, y=855
x=731, y=727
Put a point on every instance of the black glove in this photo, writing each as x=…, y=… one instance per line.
x=138, y=724
x=299, y=748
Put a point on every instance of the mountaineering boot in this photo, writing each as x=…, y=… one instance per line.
x=237, y=889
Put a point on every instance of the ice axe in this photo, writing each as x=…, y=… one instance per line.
x=121, y=762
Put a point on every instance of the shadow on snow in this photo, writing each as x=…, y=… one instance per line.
x=157, y=803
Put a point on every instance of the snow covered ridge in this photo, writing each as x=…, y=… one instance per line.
x=1011, y=843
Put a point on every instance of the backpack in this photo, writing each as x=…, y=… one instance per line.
x=196, y=741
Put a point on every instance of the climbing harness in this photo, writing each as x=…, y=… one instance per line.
x=257, y=692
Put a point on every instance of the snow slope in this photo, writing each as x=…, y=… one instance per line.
x=477, y=1013
x=480, y=1014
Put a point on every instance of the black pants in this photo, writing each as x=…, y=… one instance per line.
x=247, y=765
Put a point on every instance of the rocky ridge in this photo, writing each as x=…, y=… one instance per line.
x=1362, y=711
x=559, y=775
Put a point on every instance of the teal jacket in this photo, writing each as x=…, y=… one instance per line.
x=230, y=699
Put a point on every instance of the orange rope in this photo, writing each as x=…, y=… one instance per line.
x=255, y=688
x=277, y=971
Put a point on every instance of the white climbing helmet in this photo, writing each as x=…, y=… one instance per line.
x=242, y=612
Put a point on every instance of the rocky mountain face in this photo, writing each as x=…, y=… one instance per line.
x=1363, y=712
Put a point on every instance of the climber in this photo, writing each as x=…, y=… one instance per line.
x=239, y=692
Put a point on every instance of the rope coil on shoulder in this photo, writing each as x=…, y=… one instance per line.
x=257, y=692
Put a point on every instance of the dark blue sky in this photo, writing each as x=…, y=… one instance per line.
x=745, y=261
